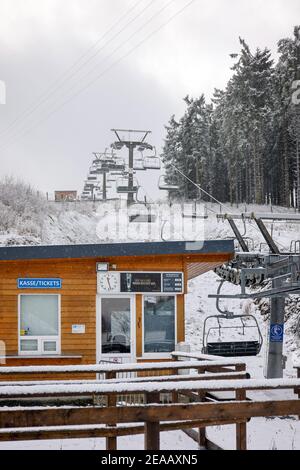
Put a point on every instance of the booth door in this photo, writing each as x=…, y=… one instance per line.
x=116, y=329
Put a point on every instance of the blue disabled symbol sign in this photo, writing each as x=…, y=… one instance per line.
x=276, y=332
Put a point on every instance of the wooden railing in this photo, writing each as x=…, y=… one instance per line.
x=116, y=419
x=219, y=364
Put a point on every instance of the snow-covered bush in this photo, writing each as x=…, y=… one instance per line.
x=22, y=208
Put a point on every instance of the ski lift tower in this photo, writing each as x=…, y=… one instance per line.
x=131, y=139
x=104, y=162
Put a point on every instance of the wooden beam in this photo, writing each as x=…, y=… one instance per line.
x=137, y=388
x=152, y=436
x=166, y=378
x=31, y=434
x=111, y=441
x=125, y=414
x=103, y=369
x=241, y=428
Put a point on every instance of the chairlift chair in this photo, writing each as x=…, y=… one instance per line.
x=141, y=213
x=119, y=164
x=138, y=164
x=108, y=164
x=117, y=145
x=124, y=188
x=89, y=186
x=152, y=163
x=231, y=348
x=163, y=185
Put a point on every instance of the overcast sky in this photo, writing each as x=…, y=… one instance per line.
x=40, y=40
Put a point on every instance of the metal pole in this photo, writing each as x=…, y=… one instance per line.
x=238, y=235
x=275, y=342
x=270, y=242
x=104, y=187
x=298, y=162
x=130, y=199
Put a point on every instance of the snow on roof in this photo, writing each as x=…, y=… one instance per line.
x=116, y=249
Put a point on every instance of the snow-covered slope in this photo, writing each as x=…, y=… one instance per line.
x=86, y=222
x=76, y=223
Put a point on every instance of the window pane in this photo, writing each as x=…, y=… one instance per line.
x=49, y=346
x=39, y=315
x=115, y=318
x=29, y=345
x=159, y=324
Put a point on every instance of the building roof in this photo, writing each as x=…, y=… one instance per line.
x=207, y=247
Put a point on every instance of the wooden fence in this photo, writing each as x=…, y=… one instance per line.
x=193, y=403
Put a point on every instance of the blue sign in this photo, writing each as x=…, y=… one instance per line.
x=39, y=283
x=276, y=333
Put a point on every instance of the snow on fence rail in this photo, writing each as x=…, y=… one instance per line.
x=167, y=378
x=159, y=386
x=36, y=422
x=102, y=369
x=201, y=357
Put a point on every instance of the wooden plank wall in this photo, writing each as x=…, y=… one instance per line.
x=78, y=299
x=78, y=295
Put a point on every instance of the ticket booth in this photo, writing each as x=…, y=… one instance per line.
x=117, y=320
x=82, y=304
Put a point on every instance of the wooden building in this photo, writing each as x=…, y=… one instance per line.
x=84, y=304
x=64, y=196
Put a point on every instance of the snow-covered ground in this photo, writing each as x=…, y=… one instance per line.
x=171, y=440
x=91, y=223
x=271, y=433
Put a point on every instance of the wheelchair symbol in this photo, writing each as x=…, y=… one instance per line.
x=276, y=332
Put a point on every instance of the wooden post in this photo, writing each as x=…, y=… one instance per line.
x=241, y=428
x=202, y=431
x=175, y=395
x=111, y=442
x=152, y=436
x=298, y=374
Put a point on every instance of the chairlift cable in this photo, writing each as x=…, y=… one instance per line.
x=69, y=73
x=198, y=186
x=111, y=66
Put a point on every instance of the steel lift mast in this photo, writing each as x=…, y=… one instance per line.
x=131, y=145
x=282, y=270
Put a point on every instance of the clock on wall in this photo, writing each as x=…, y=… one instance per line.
x=108, y=282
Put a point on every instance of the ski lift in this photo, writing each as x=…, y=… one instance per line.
x=152, y=163
x=231, y=348
x=108, y=164
x=119, y=164
x=141, y=213
x=163, y=185
x=89, y=186
x=124, y=188
x=138, y=164
x=117, y=145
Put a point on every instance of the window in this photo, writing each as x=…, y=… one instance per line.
x=115, y=325
x=159, y=324
x=39, y=324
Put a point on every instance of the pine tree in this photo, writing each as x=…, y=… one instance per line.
x=244, y=147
